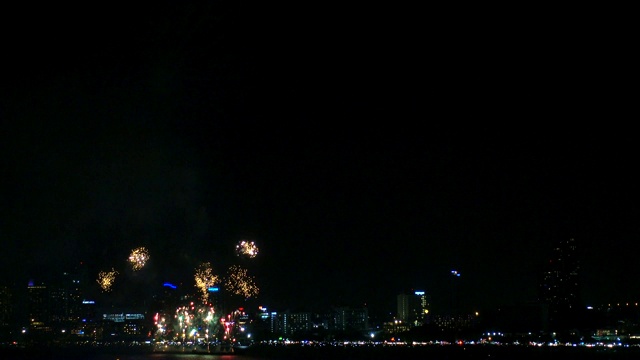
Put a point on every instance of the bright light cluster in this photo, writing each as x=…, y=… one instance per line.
x=138, y=258
x=106, y=279
x=247, y=248
x=192, y=321
x=239, y=283
x=205, y=279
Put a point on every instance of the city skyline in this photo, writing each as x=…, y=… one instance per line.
x=364, y=159
x=64, y=309
x=558, y=288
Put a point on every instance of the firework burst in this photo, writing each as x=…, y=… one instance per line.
x=106, y=279
x=205, y=279
x=138, y=258
x=198, y=321
x=239, y=283
x=247, y=248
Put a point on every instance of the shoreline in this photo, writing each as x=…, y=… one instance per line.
x=260, y=351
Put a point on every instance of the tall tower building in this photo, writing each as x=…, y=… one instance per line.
x=64, y=300
x=420, y=308
x=413, y=308
x=38, y=307
x=274, y=323
x=560, y=288
x=403, y=307
x=6, y=306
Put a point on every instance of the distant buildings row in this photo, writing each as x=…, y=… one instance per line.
x=62, y=309
x=337, y=320
x=59, y=310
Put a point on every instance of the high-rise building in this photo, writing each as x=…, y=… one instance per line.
x=413, y=308
x=38, y=307
x=6, y=312
x=65, y=299
x=6, y=306
x=560, y=286
x=350, y=319
x=403, y=307
x=559, y=289
x=274, y=323
x=300, y=322
x=420, y=308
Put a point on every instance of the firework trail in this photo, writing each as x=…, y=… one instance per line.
x=189, y=322
x=205, y=279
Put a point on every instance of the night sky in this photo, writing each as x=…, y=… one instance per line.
x=367, y=151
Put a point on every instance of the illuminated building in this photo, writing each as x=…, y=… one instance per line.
x=293, y=323
x=5, y=307
x=560, y=287
x=65, y=298
x=57, y=305
x=299, y=322
x=263, y=314
x=122, y=317
x=124, y=325
x=395, y=327
x=38, y=307
x=403, y=307
x=560, y=283
x=274, y=323
x=413, y=308
x=350, y=319
x=420, y=308
x=453, y=322
x=87, y=311
x=285, y=325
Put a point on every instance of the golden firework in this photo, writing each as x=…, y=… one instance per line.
x=106, y=279
x=138, y=258
x=240, y=283
x=247, y=248
x=205, y=279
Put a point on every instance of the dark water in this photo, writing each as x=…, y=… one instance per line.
x=435, y=352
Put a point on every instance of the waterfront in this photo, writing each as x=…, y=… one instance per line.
x=334, y=352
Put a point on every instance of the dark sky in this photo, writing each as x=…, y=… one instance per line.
x=366, y=150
